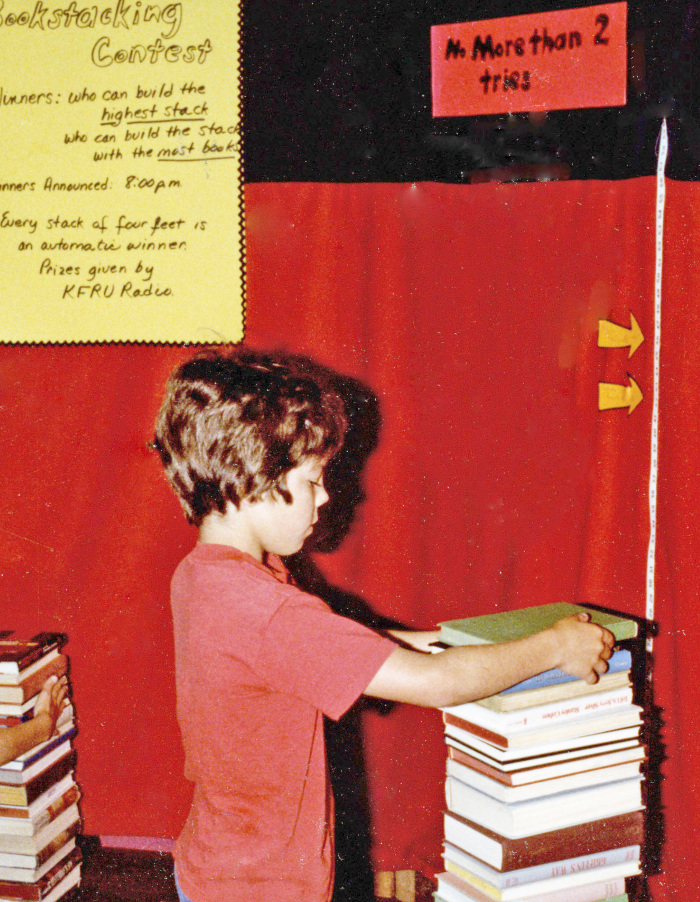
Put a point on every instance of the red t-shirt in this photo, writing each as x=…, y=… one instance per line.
x=258, y=663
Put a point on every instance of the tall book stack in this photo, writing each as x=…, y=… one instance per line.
x=544, y=780
x=39, y=816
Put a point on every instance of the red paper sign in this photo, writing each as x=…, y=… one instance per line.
x=567, y=59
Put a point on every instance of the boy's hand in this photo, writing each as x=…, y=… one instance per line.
x=52, y=699
x=584, y=648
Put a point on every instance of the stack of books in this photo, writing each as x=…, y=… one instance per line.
x=544, y=780
x=39, y=815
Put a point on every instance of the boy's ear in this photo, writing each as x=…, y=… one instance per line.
x=279, y=491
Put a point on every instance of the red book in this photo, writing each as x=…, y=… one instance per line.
x=26, y=793
x=31, y=685
x=33, y=812
x=14, y=826
x=540, y=772
x=506, y=854
x=16, y=654
x=37, y=891
x=628, y=716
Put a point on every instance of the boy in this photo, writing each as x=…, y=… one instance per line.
x=244, y=438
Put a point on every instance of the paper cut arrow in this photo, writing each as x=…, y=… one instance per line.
x=611, y=395
x=611, y=335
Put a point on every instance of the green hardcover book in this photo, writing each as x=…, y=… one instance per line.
x=506, y=625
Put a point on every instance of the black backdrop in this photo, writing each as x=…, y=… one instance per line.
x=339, y=91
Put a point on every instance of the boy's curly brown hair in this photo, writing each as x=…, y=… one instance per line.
x=233, y=423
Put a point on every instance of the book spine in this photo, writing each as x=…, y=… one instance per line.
x=67, y=732
x=12, y=777
x=480, y=732
x=55, y=876
x=40, y=889
x=543, y=715
x=530, y=791
x=537, y=890
x=591, y=892
x=620, y=660
x=482, y=767
x=8, y=709
x=577, y=728
x=625, y=855
x=16, y=654
x=531, y=698
x=558, y=845
x=33, y=684
x=58, y=807
x=554, y=812
x=31, y=843
x=25, y=812
x=537, y=773
x=33, y=875
x=33, y=861
x=27, y=793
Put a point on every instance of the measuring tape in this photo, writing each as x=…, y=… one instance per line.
x=654, y=463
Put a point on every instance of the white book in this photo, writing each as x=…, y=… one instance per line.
x=29, y=875
x=536, y=891
x=452, y=889
x=64, y=727
x=14, y=678
x=7, y=709
x=31, y=812
x=565, y=809
x=627, y=716
x=12, y=777
x=546, y=767
x=14, y=825
x=563, y=710
x=498, y=754
x=71, y=880
x=29, y=846
x=540, y=789
x=529, y=881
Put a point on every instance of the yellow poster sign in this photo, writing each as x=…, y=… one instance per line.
x=120, y=171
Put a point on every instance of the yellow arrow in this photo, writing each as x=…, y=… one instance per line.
x=610, y=335
x=611, y=395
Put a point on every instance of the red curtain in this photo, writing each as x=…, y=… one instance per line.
x=472, y=313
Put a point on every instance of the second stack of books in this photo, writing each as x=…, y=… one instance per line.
x=544, y=780
x=39, y=815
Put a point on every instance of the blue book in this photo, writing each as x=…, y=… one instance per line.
x=621, y=660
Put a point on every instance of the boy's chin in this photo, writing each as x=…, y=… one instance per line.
x=289, y=548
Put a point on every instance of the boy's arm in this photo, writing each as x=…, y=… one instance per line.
x=469, y=672
x=421, y=640
x=15, y=741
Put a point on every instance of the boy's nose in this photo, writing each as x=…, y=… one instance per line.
x=321, y=496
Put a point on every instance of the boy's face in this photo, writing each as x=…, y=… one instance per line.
x=282, y=528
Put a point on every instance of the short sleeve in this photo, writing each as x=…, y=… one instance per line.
x=318, y=656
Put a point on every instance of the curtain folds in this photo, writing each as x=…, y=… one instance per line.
x=472, y=314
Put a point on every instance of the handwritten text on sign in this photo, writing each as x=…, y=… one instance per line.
x=542, y=61
x=120, y=189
